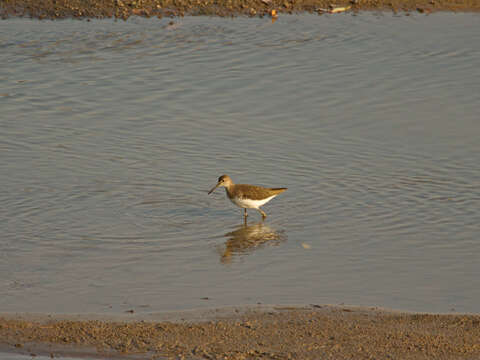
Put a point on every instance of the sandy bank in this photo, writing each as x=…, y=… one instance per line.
x=59, y=9
x=310, y=332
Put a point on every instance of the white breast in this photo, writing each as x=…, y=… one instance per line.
x=251, y=204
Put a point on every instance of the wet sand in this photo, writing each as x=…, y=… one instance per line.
x=59, y=9
x=310, y=332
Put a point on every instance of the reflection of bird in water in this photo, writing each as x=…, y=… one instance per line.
x=247, y=238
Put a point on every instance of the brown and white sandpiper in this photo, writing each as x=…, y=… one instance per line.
x=247, y=196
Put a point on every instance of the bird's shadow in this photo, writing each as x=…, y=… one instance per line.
x=247, y=238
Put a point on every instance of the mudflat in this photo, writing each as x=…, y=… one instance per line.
x=59, y=9
x=309, y=332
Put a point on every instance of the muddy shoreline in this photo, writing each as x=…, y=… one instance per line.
x=123, y=9
x=276, y=332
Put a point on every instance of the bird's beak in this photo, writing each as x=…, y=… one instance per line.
x=218, y=184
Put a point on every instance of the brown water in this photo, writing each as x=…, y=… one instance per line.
x=111, y=133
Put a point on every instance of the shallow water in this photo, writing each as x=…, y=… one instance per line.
x=111, y=133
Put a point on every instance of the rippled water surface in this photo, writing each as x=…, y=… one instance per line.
x=111, y=133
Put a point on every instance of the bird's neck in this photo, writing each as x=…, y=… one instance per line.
x=229, y=190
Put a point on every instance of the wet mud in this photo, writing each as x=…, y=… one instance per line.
x=123, y=9
x=310, y=332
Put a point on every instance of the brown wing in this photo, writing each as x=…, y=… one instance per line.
x=255, y=192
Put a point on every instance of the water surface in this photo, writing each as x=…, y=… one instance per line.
x=111, y=133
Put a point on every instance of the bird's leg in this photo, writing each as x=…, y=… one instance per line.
x=245, y=213
x=263, y=213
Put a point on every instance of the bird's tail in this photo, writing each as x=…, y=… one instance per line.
x=278, y=190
